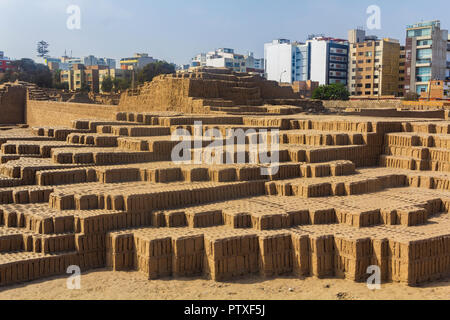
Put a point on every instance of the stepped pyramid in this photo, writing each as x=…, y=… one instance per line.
x=215, y=90
x=349, y=192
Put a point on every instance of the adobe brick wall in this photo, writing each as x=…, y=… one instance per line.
x=46, y=113
x=190, y=92
x=12, y=105
x=363, y=104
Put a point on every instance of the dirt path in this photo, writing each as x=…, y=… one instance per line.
x=104, y=284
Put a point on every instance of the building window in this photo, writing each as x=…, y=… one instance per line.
x=424, y=53
x=424, y=42
x=419, y=33
x=368, y=86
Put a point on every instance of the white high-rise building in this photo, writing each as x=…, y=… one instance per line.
x=320, y=59
x=285, y=61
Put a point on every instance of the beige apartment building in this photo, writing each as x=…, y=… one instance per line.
x=374, y=68
x=401, y=71
x=80, y=77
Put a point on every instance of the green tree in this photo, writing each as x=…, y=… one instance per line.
x=154, y=69
x=9, y=76
x=27, y=70
x=42, y=49
x=57, y=84
x=335, y=91
x=107, y=84
x=85, y=88
x=121, y=84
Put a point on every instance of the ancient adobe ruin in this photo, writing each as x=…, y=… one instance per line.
x=351, y=192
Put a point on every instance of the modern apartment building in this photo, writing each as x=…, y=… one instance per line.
x=447, y=74
x=94, y=61
x=320, y=59
x=328, y=60
x=138, y=61
x=64, y=63
x=401, y=71
x=80, y=77
x=356, y=35
x=286, y=61
x=228, y=58
x=374, y=68
x=426, y=55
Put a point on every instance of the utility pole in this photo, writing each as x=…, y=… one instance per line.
x=132, y=80
x=379, y=69
x=429, y=89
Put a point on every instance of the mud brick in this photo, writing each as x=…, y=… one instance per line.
x=222, y=175
x=9, y=148
x=322, y=216
x=6, y=196
x=297, y=218
x=203, y=219
x=412, y=216
x=276, y=254
x=322, y=256
x=301, y=254
x=158, y=219
x=86, y=202
x=62, y=201
x=195, y=174
x=312, y=190
x=237, y=220
x=175, y=219
x=248, y=173
x=21, y=196
x=62, y=157
x=297, y=155
x=188, y=255
x=9, y=218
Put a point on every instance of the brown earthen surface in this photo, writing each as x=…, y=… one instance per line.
x=97, y=186
x=350, y=192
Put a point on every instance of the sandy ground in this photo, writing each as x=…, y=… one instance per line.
x=104, y=284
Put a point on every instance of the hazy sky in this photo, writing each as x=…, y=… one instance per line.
x=176, y=30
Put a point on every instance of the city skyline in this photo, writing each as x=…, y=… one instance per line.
x=114, y=29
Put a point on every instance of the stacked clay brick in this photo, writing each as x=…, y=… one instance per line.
x=347, y=194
